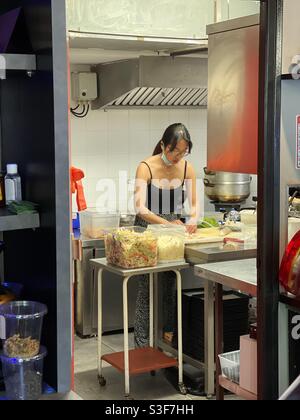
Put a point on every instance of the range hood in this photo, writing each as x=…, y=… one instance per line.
x=152, y=82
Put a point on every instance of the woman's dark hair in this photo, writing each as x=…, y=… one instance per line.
x=173, y=134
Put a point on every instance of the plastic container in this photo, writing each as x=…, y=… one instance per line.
x=170, y=242
x=230, y=365
x=131, y=247
x=21, y=327
x=13, y=190
x=248, y=217
x=248, y=236
x=23, y=378
x=94, y=224
x=75, y=221
x=127, y=220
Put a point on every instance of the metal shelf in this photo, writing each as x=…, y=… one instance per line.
x=162, y=345
x=9, y=221
x=141, y=360
x=289, y=76
x=19, y=62
x=236, y=389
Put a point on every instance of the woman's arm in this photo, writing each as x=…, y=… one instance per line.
x=140, y=197
x=191, y=183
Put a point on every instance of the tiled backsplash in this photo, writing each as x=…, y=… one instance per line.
x=106, y=142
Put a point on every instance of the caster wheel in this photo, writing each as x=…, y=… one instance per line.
x=153, y=373
x=209, y=397
x=182, y=389
x=128, y=398
x=102, y=381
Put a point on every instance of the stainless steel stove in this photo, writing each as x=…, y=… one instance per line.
x=226, y=207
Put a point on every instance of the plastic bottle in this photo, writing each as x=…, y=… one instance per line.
x=13, y=190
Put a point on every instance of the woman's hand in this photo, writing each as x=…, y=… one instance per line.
x=177, y=222
x=191, y=229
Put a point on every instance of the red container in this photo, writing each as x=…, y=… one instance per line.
x=289, y=274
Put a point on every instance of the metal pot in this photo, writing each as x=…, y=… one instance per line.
x=227, y=187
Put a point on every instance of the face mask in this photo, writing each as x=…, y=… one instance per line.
x=165, y=159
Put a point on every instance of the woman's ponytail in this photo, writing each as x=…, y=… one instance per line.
x=158, y=149
x=173, y=134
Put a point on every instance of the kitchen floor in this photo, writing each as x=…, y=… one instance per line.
x=143, y=387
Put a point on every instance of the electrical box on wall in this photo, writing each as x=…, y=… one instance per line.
x=84, y=86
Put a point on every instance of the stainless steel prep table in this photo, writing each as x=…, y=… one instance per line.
x=237, y=275
x=86, y=305
x=203, y=254
x=240, y=275
x=212, y=253
x=139, y=360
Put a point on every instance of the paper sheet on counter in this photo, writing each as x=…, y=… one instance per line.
x=215, y=235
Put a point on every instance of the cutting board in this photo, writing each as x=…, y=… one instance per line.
x=211, y=235
x=205, y=236
x=204, y=240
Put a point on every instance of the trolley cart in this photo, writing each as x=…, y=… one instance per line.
x=142, y=360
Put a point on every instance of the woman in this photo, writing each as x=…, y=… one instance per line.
x=164, y=182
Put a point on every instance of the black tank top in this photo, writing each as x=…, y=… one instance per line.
x=166, y=201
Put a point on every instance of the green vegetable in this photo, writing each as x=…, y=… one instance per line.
x=208, y=222
x=21, y=207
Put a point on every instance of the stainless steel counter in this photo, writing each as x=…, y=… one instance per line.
x=238, y=275
x=210, y=253
x=86, y=304
x=10, y=221
x=194, y=254
x=88, y=242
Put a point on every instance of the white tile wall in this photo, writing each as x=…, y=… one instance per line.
x=109, y=141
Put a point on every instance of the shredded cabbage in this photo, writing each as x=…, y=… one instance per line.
x=170, y=248
x=129, y=249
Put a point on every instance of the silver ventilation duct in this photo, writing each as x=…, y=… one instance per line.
x=152, y=82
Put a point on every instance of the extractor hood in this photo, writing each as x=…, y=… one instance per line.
x=152, y=82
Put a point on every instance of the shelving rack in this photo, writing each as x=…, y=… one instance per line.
x=17, y=62
x=12, y=222
x=34, y=134
x=236, y=389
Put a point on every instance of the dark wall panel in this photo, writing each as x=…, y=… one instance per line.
x=27, y=132
x=34, y=134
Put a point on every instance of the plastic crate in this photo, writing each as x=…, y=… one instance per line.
x=230, y=365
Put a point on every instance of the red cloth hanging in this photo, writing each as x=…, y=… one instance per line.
x=76, y=187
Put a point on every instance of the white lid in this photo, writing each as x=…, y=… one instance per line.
x=12, y=168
